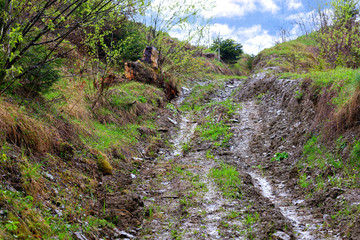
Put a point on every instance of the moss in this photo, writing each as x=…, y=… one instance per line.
x=102, y=162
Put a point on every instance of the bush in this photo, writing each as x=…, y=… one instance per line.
x=41, y=77
x=230, y=51
x=339, y=43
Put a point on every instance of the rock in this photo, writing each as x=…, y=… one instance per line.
x=280, y=236
x=151, y=56
x=146, y=70
x=79, y=236
x=211, y=56
x=172, y=121
x=123, y=234
x=49, y=176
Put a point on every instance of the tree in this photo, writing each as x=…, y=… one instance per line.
x=183, y=19
x=25, y=25
x=338, y=34
x=230, y=51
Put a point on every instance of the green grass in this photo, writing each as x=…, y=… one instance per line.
x=122, y=96
x=228, y=179
x=343, y=81
x=319, y=159
x=291, y=56
x=216, y=132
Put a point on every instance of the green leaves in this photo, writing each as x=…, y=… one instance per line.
x=280, y=156
x=339, y=43
x=230, y=50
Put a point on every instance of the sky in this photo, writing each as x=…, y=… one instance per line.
x=256, y=23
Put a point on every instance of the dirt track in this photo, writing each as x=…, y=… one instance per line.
x=184, y=202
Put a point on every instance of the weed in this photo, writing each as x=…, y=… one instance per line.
x=186, y=147
x=259, y=97
x=228, y=179
x=340, y=144
x=12, y=225
x=299, y=95
x=233, y=214
x=251, y=218
x=355, y=154
x=209, y=155
x=280, y=156
x=304, y=182
x=176, y=234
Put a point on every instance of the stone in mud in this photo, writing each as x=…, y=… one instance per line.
x=280, y=236
x=79, y=236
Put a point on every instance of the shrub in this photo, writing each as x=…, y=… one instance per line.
x=41, y=78
x=339, y=43
x=230, y=51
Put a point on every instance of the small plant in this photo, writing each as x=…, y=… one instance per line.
x=228, y=179
x=209, y=155
x=259, y=97
x=355, y=153
x=280, y=156
x=299, y=95
x=304, y=183
x=233, y=214
x=340, y=144
x=186, y=147
x=250, y=218
x=12, y=225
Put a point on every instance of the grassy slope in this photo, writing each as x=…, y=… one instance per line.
x=331, y=157
x=56, y=151
x=62, y=159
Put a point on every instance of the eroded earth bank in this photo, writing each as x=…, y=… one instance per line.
x=231, y=167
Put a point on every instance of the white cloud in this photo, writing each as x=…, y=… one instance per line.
x=254, y=38
x=230, y=8
x=240, y=8
x=269, y=6
x=294, y=4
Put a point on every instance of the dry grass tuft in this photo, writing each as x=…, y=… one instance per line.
x=349, y=115
x=23, y=130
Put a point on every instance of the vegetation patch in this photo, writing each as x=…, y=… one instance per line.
x=228, y=179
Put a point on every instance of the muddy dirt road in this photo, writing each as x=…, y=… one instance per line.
x=184, y=189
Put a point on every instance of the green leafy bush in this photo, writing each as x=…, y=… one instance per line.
x=43, y=76
x=230, y=51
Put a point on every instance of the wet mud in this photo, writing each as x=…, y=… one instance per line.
x=184, y=202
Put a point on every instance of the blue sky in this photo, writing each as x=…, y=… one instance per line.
x=253, y=23
x=256, y=23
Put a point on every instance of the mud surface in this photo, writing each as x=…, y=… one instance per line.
x=184, y=202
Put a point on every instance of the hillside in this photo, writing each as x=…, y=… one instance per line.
x=117, y=139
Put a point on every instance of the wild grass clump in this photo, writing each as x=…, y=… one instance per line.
x=227, y=177
x=124, y=103
x=22, y=130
